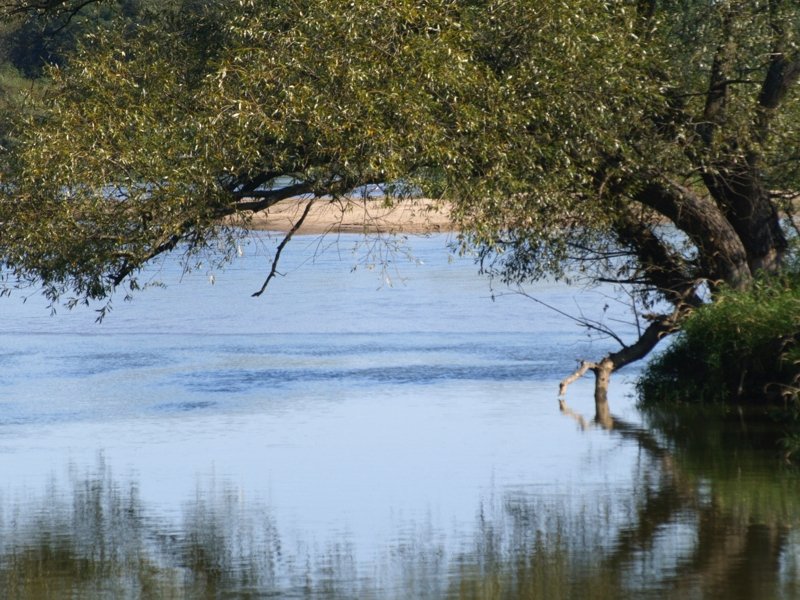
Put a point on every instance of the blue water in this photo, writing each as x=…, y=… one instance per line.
x=373, y=409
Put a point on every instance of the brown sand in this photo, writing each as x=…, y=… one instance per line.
x=355, y=215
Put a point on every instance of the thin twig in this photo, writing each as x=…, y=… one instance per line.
x=71, y=13
x=582, y=321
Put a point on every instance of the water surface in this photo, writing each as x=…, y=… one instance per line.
x=386, y=433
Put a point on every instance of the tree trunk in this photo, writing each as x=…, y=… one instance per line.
x=614, y=361
x=602, y=377
x=721, y=253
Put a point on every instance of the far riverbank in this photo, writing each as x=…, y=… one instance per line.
x=356, y=215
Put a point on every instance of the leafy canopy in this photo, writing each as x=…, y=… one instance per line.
x=562, y=131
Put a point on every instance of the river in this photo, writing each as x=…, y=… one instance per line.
x=380, y=424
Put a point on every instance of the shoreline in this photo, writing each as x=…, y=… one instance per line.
x=352, y=215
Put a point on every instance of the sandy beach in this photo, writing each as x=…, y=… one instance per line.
x=370, y=215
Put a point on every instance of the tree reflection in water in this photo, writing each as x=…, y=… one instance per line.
x=698, y=525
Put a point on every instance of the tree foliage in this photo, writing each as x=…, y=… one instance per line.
x=567, y=134
x=36, y=34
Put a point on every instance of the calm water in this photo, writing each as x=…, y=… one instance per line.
x=359, y=434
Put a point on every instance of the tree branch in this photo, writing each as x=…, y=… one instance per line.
x=783, y=71
x=717, y=93
x=129, y=267
x=11, y=8
x=70, y=15
x=658, y=328
x=274, y=268
x=570, y=379
x=265, y=198
x=661, y=267
x=590, y=324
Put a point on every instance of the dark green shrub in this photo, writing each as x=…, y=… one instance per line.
x=743, y=349
x=740, y=354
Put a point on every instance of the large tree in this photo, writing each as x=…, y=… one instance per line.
x=568, y=135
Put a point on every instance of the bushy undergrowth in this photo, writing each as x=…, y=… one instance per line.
x=740, y=354
x=743, y=348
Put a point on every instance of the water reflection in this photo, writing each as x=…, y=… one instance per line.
x=689, y=530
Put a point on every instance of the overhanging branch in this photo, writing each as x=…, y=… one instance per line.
x=274, y=268
x=129, y=267
x=590, y=324
x=64, y=8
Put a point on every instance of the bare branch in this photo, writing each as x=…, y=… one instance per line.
x=15, y=7
x=661, y=326
x=70, y=15
x=570, y=379
x=274, y=269
x=590, y=324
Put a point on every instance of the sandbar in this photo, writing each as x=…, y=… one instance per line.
x=353, y=215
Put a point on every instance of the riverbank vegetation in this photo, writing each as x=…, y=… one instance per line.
x=740, y=354
x=743, y=347
x=565, y=135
